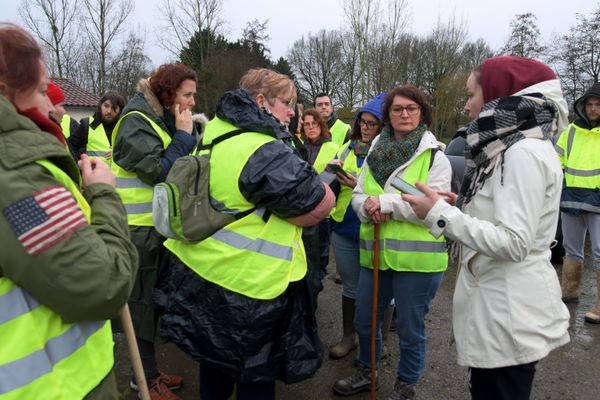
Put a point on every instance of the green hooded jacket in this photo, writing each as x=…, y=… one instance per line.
x=88, y=275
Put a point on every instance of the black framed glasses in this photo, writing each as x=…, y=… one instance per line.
x=412, y=109
x=368, y=124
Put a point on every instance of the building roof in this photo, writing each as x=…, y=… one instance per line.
x=76, y=95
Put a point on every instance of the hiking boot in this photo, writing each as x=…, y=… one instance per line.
x=571, y=277
x=360, y=381
x=159, y=391
x=403, y=391
x=173, y=382
x=593, y=316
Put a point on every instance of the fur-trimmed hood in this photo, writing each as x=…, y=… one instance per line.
x=143, y=87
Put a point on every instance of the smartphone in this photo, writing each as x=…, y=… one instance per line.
x=336, y=169
x=406, y=187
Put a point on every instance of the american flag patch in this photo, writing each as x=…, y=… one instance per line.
x=45, y=218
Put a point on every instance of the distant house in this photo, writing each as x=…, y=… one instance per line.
x=79, y=103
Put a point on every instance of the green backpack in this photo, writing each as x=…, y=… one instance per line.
x=181, y=205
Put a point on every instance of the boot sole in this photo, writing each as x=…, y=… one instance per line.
x=570, y=300
x=592, y=320
x=353, y=392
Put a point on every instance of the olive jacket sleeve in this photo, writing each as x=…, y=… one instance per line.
x=85, y=276
x=138, y=149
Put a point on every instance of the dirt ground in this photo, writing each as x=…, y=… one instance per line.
x=568, y=373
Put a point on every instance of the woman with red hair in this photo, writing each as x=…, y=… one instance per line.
x=67, y=264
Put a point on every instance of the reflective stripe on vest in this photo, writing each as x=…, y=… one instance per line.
x=327, y=153
x=135, y=194
x=345, y=196
x=42, y=356
x=249, y=256
x=339, y=130
x=98, y=144
x=580, y=161
x=404, y=246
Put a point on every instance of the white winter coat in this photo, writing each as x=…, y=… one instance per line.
x=440, y=175
x=507, y=307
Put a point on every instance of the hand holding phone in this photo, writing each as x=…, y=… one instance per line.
x=336, y=169
x=406, y=187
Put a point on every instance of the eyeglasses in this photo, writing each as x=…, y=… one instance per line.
x=311, y=124
x=412, y=109
x=368, y=124
x=290, y=104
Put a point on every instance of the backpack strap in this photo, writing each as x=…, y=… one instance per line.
x=220, y=139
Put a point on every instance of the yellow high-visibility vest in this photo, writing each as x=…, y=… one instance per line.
x=42, y=356
x=135, y=194
x=404, y=246
x=254, y=255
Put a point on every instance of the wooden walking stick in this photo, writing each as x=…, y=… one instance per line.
x=134, y=353
x=374, y=313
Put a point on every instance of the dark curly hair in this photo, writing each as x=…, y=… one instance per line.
x=325, y=134
x=167, y=78
x=413, y=93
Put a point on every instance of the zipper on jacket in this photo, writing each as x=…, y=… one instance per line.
x=197, y=175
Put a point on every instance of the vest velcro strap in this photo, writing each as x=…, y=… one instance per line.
x=24, y=371
x=15, y=303
x=96, y=153
x=138, y=208
x=577, y=205
x=131, y=183
x=261, y=246
x=580, y=172
x=405, y=245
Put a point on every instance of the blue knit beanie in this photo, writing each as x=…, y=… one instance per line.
x=374, y=106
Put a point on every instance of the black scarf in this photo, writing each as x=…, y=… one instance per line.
x=502, y=123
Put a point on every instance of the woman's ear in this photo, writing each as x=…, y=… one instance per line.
x=260, y=100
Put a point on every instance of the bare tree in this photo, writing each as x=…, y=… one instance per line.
x=317, y=62
x=53, y=22
x=104, y=21
x=129, y=66
x=183, y=18
x=524, y=39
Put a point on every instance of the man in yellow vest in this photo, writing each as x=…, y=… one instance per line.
x=578, y=148
x=339, y=129
x=67, y=264
x=94, y=134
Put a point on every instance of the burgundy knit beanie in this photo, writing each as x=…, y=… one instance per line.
x=507, y=75
x=55, y=94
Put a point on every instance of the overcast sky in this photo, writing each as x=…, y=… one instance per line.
x=289, y=20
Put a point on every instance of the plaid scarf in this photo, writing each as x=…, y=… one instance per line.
x=390, y=153
x=502, y=123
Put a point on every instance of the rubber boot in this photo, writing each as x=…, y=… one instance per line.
x=388, y=316
x=571, y=276
x=594, y=315
x=349, y=340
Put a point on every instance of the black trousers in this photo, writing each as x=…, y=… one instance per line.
x=217, y=385
x=507, y=383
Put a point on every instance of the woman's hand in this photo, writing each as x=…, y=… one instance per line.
x=95, y=170
x=421, y=205
x=183, y=120
x=373, y=208
x=347, y=180
x=449, y=197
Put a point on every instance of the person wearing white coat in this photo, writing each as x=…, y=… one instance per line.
x=507, y=308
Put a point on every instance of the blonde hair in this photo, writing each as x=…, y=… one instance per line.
x=268, y=83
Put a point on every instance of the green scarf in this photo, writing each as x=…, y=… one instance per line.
x=390, y=153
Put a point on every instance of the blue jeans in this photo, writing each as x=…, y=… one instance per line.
x=347, y=258
x=412, y=292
